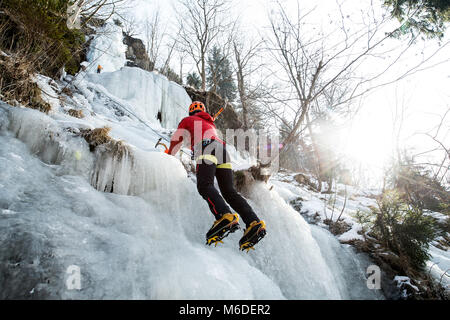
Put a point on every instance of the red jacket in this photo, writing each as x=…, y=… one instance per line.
x=197, y=127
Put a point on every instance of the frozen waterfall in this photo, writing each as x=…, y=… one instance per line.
x=148, y=242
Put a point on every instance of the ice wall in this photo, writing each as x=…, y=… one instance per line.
x=147, y=94
x=46, y=139
x=129, y=216
x=145, y=240
x=106, y=49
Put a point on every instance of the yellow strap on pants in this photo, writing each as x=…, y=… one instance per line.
x=213, y=159
x=226, y=165
x=208, y=157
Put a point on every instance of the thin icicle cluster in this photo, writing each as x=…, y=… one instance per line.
x=112, y=169
x=122, y=169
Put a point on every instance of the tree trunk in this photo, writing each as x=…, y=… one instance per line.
x=241, y=89
x=203, y=73
x=181, y=70
x=319, y=169
x=242, y=97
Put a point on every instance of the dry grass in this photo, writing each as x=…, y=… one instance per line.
x=67, y=92
x=337, y=227
x=76, y=113
x=100, y=136
x=306, y=181
x=16, y=85
x=118, y=148
x=96, y=137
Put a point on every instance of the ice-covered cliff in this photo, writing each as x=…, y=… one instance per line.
x=146, y=238
x=148, y=94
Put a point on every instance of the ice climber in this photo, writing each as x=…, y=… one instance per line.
x=212, y=161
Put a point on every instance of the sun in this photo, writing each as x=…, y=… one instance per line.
x=368, y=142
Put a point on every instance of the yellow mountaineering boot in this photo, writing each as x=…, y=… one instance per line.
x=252, y=235
x=227, y=224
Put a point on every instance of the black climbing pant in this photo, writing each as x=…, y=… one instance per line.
x=215, y=162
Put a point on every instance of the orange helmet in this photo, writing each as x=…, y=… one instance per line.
x=196, y=106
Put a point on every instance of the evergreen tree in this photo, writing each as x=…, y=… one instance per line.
x=404, y=229
x=171, y=75
x=418, y=187
x=427, y=17
x=194, y=80
x=220, y=74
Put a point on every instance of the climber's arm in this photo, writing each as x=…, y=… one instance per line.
x=175, y=145
x=177, y=139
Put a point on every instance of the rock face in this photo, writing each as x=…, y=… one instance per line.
x=136, y=54
x=228, y=119
x=89, y=26
x=304, y=180
x=244, y=179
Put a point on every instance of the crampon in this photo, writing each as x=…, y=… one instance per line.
x=252, y=236
x=229, y=223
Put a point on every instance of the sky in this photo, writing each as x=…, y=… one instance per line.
x=368, y=137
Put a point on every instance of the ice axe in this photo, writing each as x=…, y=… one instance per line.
x=220, y=110
x=218, y=113
x=166, y=148
x=162, y=144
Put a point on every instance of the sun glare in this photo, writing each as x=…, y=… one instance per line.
x=368, y=142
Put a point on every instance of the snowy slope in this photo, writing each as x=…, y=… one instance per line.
x=146, y=239
x=317, y=207
x=313, y=203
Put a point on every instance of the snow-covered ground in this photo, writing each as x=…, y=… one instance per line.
x=146, y=240
x=439, y=265
x=325, y=206
x=349, y=200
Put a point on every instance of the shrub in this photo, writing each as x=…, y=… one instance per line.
x=404, y=229
x=37, y=28
x=16, y=84
x=365, y=219
x=419, y=188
